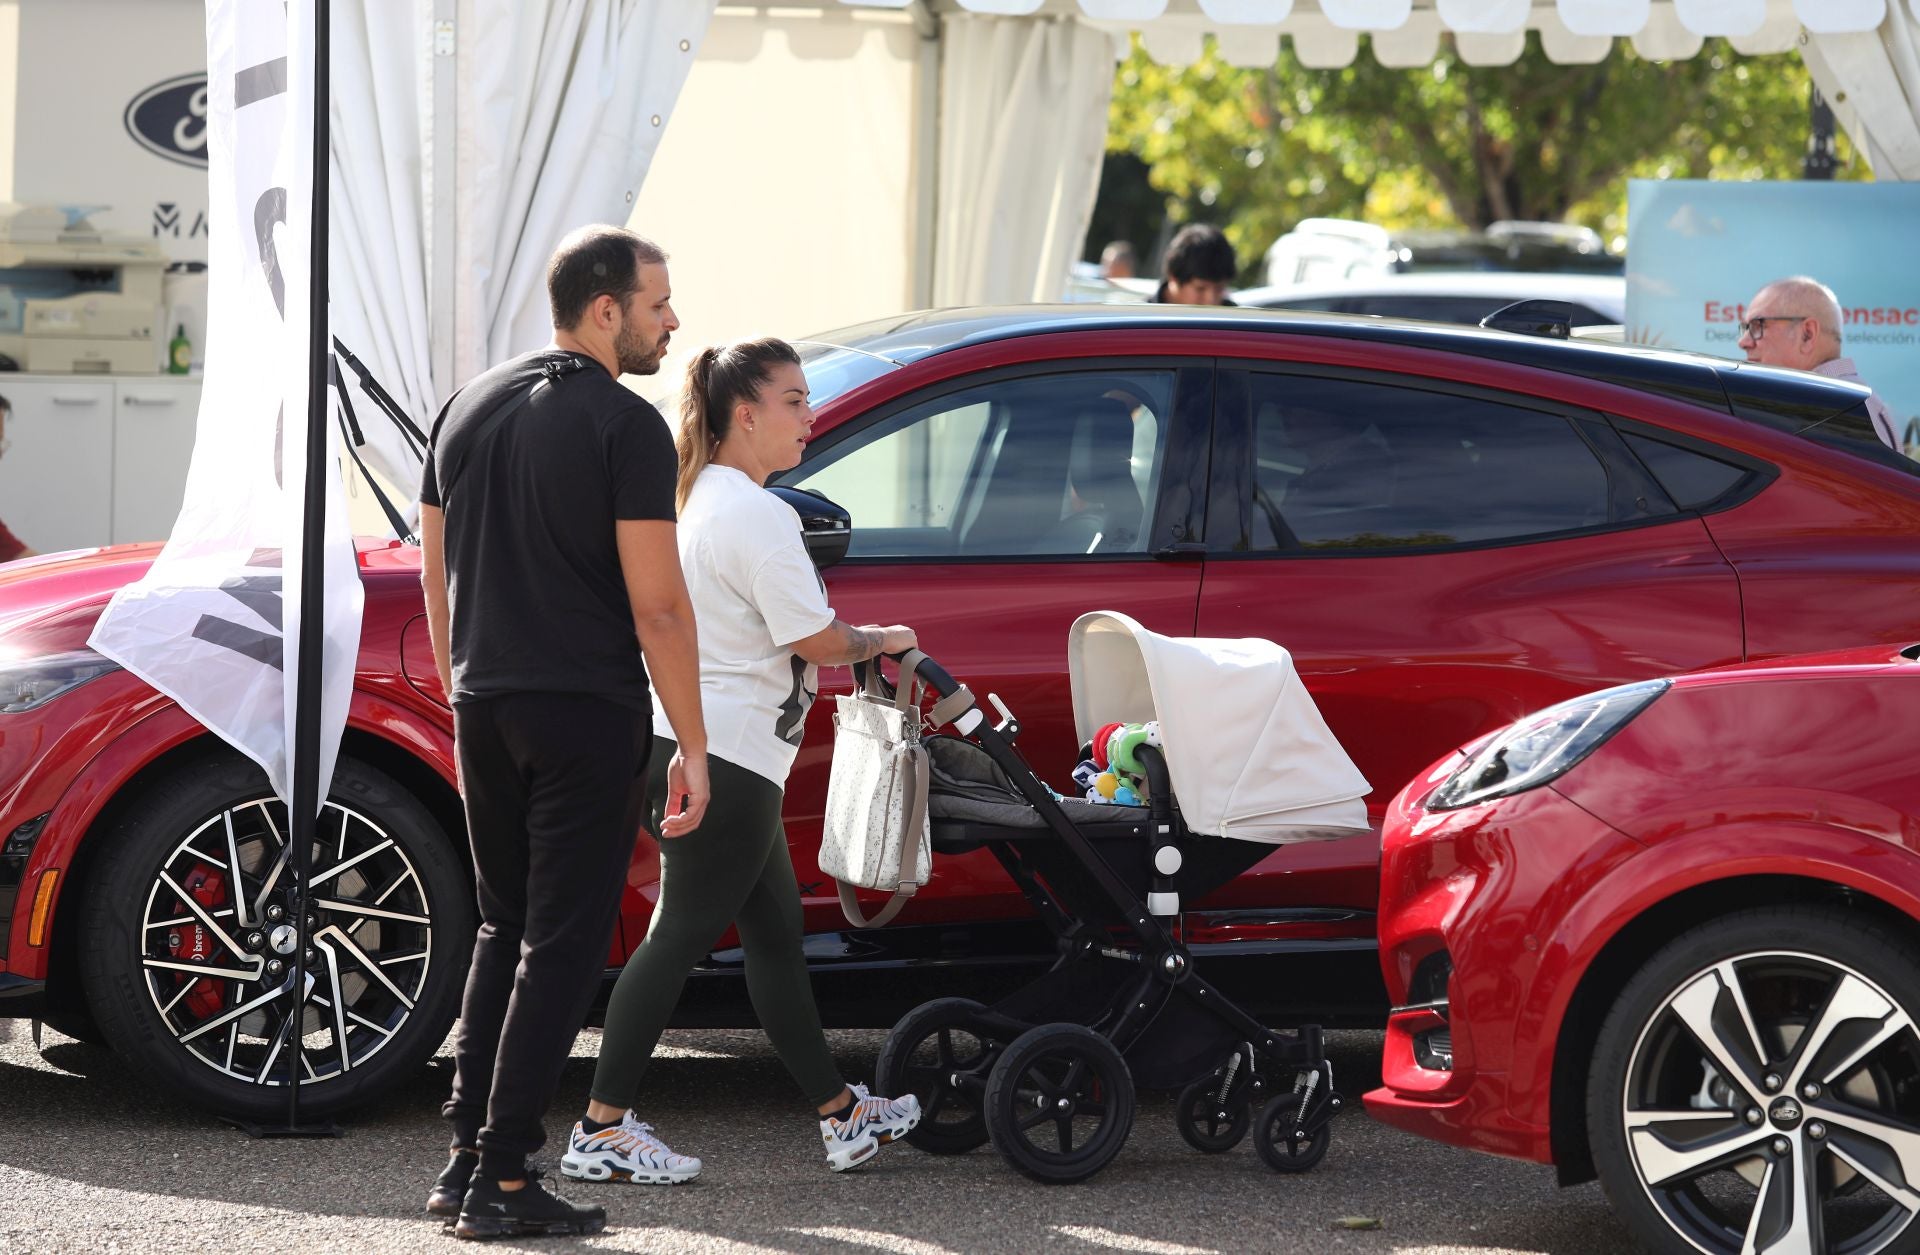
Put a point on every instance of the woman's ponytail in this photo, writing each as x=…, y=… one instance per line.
x=719, y=379
x=698, y=436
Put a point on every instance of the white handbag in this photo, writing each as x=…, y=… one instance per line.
x=875, y=834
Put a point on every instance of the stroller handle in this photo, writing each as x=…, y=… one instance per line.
x=931, y=673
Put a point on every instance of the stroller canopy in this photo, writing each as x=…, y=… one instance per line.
x=1248, y=752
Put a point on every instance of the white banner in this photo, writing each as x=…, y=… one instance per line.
x=215, y=623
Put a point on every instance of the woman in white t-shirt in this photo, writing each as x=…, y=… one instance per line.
x=765, y=626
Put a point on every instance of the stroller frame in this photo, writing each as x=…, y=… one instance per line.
x=1163, y=993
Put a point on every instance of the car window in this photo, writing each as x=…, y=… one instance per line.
x=1346, y=464
x=1049, y=465
x=1693, y=479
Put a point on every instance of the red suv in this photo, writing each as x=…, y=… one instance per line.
x=1448, y=528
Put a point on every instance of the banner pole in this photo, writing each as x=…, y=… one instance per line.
x=306, y=784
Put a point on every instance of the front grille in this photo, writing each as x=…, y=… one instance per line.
x=1434, y=1050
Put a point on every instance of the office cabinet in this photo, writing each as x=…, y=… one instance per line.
x=56, y=480
x=153, y=422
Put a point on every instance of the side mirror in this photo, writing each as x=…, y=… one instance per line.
x=828, y=528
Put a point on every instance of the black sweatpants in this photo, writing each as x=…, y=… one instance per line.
x=555, y=784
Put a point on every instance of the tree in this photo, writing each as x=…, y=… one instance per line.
x=1452, y=144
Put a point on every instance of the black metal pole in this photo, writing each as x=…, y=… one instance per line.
x=1821, y=160
x=303, y=821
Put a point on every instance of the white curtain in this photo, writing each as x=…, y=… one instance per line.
x=1873, y=80
x=560, y=108
x=1023, y=125
x=380, y=216
x=562, y=104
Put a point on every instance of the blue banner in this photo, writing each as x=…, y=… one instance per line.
x=1698, y=251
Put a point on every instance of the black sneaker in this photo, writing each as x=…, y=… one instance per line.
x=528, y=1212
x=450, y=1187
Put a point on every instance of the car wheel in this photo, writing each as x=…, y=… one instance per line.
x=188, y=965
x=1756, y=1087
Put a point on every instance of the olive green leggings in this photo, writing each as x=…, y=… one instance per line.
x=733, y=869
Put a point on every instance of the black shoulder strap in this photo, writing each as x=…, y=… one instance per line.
x=550, y=374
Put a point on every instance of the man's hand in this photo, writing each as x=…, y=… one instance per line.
x=687, y=795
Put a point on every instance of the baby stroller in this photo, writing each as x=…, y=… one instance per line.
x=1048, y=1073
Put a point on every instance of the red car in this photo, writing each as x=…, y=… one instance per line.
x=1448, y=527
x=1669, y=934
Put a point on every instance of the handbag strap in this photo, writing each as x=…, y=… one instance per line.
x=919, y=773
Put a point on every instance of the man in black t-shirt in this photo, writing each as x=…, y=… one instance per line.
x=554, y=592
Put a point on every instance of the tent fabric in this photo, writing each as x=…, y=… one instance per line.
x=377, y=242
x=561, y=104
x=1023, y=126
x=1325, y=33
x=1872, y=79
x=1248, y=753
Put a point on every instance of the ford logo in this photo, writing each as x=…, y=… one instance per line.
x=169, y=119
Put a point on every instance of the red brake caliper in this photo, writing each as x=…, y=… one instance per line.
x=192, y=943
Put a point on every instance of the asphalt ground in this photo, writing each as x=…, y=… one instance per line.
x=93, y=1159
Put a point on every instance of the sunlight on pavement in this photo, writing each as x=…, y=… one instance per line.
x=876, y=1240
x=1127, y=1242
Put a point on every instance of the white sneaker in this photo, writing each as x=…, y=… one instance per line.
x=872, y=1124
x=626, y=1152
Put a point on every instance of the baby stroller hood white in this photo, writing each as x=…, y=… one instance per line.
x=1248, y=753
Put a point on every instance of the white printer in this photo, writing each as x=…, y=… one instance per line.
x=74, y=299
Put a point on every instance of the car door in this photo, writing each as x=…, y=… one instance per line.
x=989, y=511
x=1440, y=559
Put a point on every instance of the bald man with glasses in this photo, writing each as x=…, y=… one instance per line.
x=1796, y=322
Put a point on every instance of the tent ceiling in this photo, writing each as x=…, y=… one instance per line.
x=1326, y=33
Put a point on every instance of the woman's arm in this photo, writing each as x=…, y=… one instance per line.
x=840, y=642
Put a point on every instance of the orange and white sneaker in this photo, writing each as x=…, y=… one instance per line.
x=872, y=1124
x=626, y=1152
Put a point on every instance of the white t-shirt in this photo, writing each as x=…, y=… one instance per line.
x=755, y=592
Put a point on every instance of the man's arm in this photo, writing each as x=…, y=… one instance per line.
x=663, y=618
x=433, y=584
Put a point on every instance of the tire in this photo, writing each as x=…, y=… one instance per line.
x=922, y=1052
x=1810, y=1085
x=161, y=907
x=1047, y=1066
x=1209, y=1124
x=1278, y=1150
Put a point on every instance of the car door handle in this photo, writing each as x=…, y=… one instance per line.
x=1181, y=551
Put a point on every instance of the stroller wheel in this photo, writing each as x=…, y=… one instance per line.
x=1059, y=1103
x=1282, y=1148
x=1210, y=1122
x=927, y=1050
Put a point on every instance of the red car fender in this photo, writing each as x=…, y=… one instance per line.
x=134, y=747
x=1751, y=847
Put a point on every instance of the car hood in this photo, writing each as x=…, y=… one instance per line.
x=50, y=603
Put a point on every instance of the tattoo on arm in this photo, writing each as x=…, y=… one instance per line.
x=855, y=644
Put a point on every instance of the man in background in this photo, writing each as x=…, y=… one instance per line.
x=1796, y=323
x=1118, y=261
x=1200, y=264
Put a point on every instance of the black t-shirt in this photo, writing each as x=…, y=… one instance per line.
x=537, y=597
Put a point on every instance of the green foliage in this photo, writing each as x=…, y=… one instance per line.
x=1451, y=144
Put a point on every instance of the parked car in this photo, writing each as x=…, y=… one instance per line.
x=1669, y=933
x=1324, y=250
x=1448, y=527
x=1464, y=297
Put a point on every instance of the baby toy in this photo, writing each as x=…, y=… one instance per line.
x=1112, y=771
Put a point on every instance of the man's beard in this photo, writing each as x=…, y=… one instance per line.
x=635, y=355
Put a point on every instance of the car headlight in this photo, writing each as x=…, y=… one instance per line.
x=29, y=682
x=1543, y=746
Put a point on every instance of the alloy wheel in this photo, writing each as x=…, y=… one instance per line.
x=1772, y=1103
